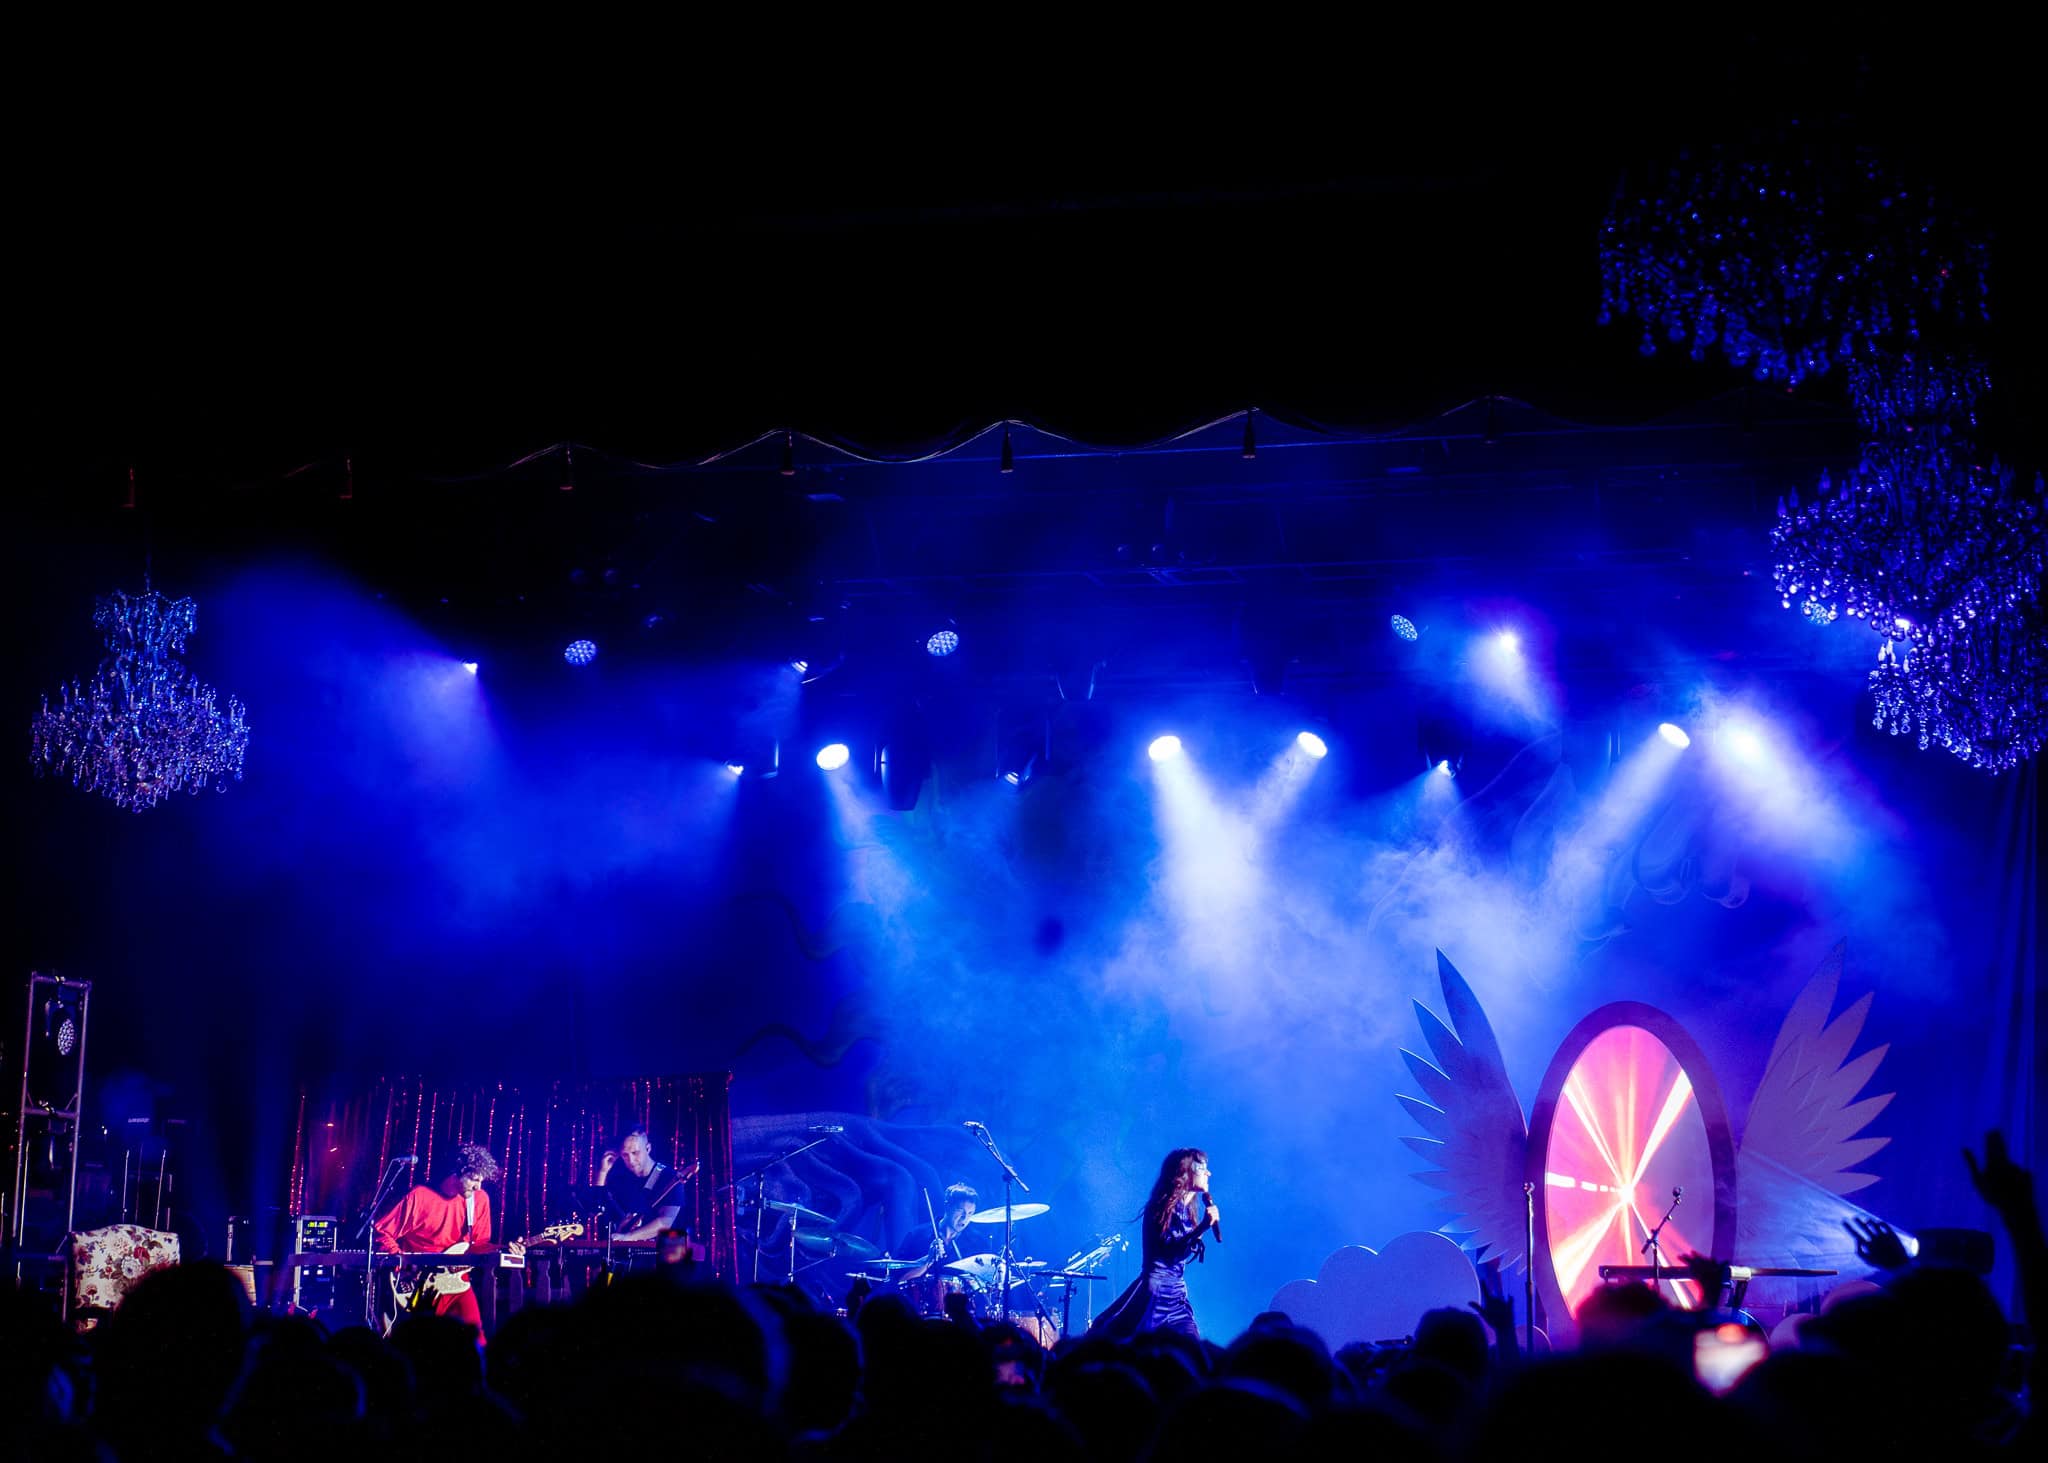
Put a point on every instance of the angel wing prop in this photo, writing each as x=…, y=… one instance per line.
x=1800, y=1146
x=1478, y=1138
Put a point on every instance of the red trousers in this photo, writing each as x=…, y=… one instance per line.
x=462, y=1306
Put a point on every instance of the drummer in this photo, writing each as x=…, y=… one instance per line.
x=955, y=1206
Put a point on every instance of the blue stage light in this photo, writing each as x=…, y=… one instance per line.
x=1163, y=748
x=833, y=757
x=580, y=652
x=737, y=769
x=470, y=666
x=1312, y=744
x=801, y=667
x=1446, y=769
x=1404, y=627
x=1674, y=735
x=1508, y=640
x=1743, y=743
x=942, y=643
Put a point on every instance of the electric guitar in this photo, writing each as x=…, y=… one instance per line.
x=419, y=1290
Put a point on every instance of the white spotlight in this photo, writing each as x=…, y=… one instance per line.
x=834, y=757
x=1674, y=734
x=1508, y=640
x=470, y=666
x=1312, y=744
x=1163, y=748
x=1743, y=743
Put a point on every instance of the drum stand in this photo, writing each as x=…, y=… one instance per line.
x=759, y=1179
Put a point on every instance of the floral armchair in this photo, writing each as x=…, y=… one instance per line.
x=106, y=1263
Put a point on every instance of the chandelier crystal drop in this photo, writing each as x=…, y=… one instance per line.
x=144, y=727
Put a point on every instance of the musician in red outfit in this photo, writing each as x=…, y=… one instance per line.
x=431, y=1218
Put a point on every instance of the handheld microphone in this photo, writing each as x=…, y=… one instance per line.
x=828, y=1127
x=1215, y=1225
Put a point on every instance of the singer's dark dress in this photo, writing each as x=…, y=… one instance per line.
x=1158, y=1298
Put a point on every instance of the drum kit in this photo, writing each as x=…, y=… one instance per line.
x=984, y=1280
x=1035, y=1289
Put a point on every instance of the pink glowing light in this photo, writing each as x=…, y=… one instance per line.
x=1627, y=1131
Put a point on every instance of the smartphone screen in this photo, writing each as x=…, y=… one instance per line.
x=1723, y=1355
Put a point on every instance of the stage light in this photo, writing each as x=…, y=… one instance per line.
x=470, y=666
x=1404, y=627
x=1163, y=748
x=1312, y=744
x=942, y=643
x=1446, y=769
x=1743, y=743
x=1674, y=734
x=1508, y=640
x=834, y=757
x=737, y=769
x=580, y=652
x=904, y=764
x=801, y=667
x=1902, y=624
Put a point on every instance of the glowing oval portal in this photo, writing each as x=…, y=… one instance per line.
x=1626, y=1131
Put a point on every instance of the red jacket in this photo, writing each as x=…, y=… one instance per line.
x=427, y=1219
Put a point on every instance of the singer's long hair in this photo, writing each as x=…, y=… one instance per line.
x=1170, y=1189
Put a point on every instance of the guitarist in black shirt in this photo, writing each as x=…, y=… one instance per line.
x=641, y=1197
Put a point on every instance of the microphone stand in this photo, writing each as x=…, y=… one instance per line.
x=1650, y=1245
x=759, y=1179
x=1529, y=1276
x=369, y=1245
x=1009, y=1216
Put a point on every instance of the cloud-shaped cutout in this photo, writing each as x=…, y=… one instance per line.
x=1366, y=1295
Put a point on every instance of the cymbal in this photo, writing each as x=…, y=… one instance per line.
x=1015, y=1211
x=868, y=1265
x=837, y=1246
x=783, y=1207
x=988, y=1269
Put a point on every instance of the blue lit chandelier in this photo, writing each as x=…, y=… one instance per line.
x=1788, y=258
x=1804, y=254
x=145, y=727
x=1943, y=559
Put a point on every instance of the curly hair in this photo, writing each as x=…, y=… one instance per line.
x=474, y=1161
x=1170, y=1189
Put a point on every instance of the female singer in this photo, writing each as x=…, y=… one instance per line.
x=1175, y=1218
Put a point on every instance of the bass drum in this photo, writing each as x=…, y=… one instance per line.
x=927, y=1294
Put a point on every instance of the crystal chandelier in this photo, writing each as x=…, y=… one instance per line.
x=1788, y=258
x=1944, y=560
x=1982, y=695
x=145, y=727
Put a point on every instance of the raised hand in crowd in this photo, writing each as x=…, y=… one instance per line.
x=1877, y=1244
